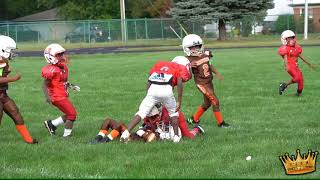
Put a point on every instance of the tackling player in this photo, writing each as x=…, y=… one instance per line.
x=163, y=77
x=202, y=70
x=290, y=51
x=7, y=105
x=55, y=88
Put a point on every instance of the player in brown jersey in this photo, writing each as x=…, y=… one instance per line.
x=109, y=130
x=7, y=105
x=203, y=70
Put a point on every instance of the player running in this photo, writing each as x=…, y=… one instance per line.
x=202, y=70
x=7, y=105
x=290, y=51
x=55, y=88
x=163, y=77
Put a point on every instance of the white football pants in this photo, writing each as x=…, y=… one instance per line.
x=158, y=94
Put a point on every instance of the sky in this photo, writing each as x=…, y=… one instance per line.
x=280, y=7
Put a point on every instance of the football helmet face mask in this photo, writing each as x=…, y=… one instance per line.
x=7, y=45
x=288, y=38
x=192, y=45
x=54, y=53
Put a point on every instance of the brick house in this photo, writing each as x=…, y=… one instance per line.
x=313, y=13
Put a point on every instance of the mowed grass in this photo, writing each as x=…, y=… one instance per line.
x=264, y=124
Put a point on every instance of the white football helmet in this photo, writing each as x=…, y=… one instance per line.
x=190, y=41
x=285, y=34
x=183, y=61
x=7, y=44
x=51, y=51
x=155, y=110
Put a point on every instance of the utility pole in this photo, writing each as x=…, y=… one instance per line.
x=306, y=10
x=123, y=20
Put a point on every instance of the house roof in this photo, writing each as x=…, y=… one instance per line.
x=48, y=15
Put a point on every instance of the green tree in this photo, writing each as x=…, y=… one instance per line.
x=148, y=8
x=220, y=10
x=13, y=9
x=284, y=22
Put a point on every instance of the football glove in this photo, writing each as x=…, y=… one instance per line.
x=176, y=139
x=125, y=136
x=73, y=87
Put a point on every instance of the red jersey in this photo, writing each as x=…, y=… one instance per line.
x=291, y=52
x=164, y=72
x=57, y=76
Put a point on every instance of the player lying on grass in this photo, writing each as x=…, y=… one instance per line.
x=158, y=122
x=290, y=51
x=203, y=70
x=7, y=105
x=156, y=125
x=163, y=77
x=55, y=88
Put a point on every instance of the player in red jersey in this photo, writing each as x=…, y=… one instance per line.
x=164, y=76
x=7, y=105
x=158, y=121
x=56, y=86
x=203, y=70
x=290, y=51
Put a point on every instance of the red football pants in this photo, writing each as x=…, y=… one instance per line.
x=67, y=108
x=297, y=77
x=184, y=127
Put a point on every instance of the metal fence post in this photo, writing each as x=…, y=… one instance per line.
x=146, y=27
x=135, y=28
x=109, y=31
x=89, y=34
x=161, y=24
x=8, y=31
x=84, y=31
x=16, y=33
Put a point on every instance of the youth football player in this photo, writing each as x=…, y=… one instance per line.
x=290, y=51
x=163, y=77
x=7, y=105
x=110, y=130
x=203, y=70
x=55, y=88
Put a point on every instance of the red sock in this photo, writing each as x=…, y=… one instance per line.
x=218, y=117
x=198, y=114
x=24, y=133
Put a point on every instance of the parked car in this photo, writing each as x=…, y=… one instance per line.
x=82, y=34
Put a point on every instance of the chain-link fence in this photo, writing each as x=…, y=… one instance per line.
x=110, y=30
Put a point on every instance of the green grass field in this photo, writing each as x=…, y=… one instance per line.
x=264, y=124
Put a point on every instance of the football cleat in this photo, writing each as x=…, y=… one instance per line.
x=282, y=87
x=224, y=125
x=34, y=141
x=100, y=139
x=201, y=130
x=50, y=127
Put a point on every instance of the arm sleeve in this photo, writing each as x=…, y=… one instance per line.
x=299, y=49
x=184, y=73
x=48, y=73
x=282, y=51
